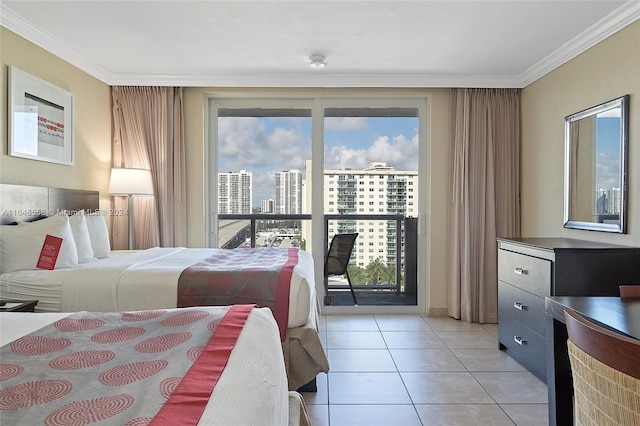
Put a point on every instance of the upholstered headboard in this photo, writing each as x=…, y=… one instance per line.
x=26, y=203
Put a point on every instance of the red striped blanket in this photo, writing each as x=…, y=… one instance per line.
x=259, y=276
x=145, y=367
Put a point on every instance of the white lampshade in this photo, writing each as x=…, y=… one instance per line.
x=130, y=182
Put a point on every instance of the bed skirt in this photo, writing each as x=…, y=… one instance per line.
x=304, y=356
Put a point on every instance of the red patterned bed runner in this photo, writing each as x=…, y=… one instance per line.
x=242, y=276
x=187, y=403
x=119, y=368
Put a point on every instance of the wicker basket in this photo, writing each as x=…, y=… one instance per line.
x=602, y=395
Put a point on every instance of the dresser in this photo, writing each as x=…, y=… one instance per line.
x=529, y=269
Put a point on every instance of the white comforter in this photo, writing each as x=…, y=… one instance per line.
x=252, y=389
x=136, y=281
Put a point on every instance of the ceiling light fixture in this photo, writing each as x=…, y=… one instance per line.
x=317, y=61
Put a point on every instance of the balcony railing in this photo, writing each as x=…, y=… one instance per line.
x=396, y=241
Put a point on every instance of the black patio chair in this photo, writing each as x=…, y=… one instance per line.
x=337, y=259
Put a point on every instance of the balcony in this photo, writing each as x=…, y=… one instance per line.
x=384, y=273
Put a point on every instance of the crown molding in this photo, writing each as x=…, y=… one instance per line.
x=628, y=13
x=10, y=20
x=316, y=79
x=607, y=26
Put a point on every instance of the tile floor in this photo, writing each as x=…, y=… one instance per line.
x=410, y=370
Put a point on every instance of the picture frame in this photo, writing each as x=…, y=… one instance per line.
x=40, y=119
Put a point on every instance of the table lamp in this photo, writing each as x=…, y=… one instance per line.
x=130, y=182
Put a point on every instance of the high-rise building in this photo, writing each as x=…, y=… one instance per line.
x=608, y=201
x=288, y=192
x=614, y=201
x=377, y=190
x=235, y=192
x=267, y=206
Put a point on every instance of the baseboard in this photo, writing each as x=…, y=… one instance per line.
x=438, y=312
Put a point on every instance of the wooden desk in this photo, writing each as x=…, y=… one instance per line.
x=610, y=312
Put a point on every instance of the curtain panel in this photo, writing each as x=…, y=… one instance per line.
x=149, y=134
x=484, y=188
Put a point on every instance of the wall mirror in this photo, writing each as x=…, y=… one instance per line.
x=595, y=183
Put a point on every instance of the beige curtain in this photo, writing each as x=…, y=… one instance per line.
x=484, y=182
x=149, y=133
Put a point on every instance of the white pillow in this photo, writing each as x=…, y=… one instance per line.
x=99, y=235
x=20, y=245
x=81, y=237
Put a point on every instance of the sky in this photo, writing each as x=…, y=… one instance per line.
x=266, y=145
x=608, y=153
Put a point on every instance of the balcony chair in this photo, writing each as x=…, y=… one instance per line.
x=606, y=373
x=629, y=291
x=337, y=260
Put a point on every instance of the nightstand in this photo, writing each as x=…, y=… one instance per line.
x=19, y=306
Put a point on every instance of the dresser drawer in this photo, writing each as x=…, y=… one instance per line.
x=531, y=351
x=526, y=272
x=515, y=304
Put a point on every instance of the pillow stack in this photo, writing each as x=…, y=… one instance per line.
x=84, y=238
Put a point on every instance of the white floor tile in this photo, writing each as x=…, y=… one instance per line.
x=412, y=370
x=367, y=388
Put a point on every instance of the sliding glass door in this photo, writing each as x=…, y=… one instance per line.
x=296, y=171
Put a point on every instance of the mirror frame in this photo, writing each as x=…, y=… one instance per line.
x=622, y=103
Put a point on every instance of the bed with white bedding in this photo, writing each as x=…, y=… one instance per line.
x=60, y=351
x=135, y=280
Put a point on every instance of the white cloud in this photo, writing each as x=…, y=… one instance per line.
x=607, y=171
x=240, y=143
x=244, y=145
x=399, y=152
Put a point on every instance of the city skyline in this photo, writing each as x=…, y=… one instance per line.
x=268, y=145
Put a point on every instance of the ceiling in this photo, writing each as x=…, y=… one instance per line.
x=384, y=43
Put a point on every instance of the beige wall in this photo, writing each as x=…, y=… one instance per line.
x=92, y=116
x=606, y=71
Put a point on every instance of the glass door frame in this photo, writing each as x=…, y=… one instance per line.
x=317, y=102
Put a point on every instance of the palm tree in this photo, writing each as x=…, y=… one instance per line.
x=375, y=272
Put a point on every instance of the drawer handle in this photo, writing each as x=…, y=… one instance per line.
x=519, y=306
x=519, y=340
x=520, y=271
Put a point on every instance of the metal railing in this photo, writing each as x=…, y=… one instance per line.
x=346, y=223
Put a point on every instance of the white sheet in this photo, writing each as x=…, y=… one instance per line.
x=135, y=281
x=252, y=389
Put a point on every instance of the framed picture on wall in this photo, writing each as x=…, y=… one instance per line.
x=40, y=119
